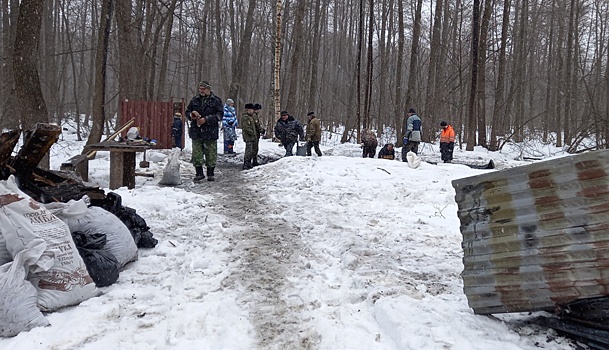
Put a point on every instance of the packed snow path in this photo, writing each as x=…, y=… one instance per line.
x=265, y=255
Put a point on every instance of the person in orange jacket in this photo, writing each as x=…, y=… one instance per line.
x=447, y=142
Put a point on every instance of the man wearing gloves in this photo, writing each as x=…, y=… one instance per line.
x=204, y=113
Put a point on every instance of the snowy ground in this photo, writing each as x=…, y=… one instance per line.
x=332, y=252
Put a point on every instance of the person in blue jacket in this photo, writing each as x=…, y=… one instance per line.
x=229, y=125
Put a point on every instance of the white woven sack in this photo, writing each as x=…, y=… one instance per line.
x=18, y=309
x=63, y=282
x=119, y=241
x=5, y=256
x=413, y=160
x=171, y=173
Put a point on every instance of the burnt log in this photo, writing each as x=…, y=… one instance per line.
x=46, y=186
x=36, y=144
x=8, y=141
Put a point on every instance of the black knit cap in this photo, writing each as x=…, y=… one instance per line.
x=412, y=111
x=284, y=113
x=310, y=114
x=443, y=123
x=249, y=106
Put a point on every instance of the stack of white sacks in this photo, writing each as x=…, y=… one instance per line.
x=40, y=266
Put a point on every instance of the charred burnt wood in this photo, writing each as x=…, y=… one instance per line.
x=592, y=312
x=78, y=164
x=594, y=338
x=55, y=186
x=8, y=140
x=36, y=144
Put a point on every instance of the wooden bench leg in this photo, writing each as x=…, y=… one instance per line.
x=122, y=170
x=129, y=169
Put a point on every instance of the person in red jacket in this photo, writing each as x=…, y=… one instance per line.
x=447, y=142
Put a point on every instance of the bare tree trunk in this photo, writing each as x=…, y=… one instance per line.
x=414, y=55
x=519, y=67
x=569, y=73
x=399, y=108
x=240, y=78
x=607, y=102
x=9, y=115
x=220, y=47
x=74, y=74
x=488, y=6
x=162, y=92
x=471, y=124
x=320, y=17
x=277, y=68
x=386, y=34
x=99, y=97
x=431, y=99
x=498, y=107
x=550, y=79
x=358, y=71
x=292, y=99
x=369, y=66
x=27, y=81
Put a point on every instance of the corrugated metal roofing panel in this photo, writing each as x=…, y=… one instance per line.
x=536, y=236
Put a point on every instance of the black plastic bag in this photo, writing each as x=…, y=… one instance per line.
x=135, y=223
x=103, y=267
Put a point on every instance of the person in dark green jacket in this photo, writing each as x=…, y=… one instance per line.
x=250, y=135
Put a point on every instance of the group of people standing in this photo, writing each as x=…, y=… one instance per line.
x=412, y=139
x=289, y=130
x=205, y=112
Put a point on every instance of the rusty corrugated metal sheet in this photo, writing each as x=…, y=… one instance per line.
x=154, y=119
x=536, y=236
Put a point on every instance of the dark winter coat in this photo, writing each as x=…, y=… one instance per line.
x=176, y=129
x=209, y=107
x=289, y=130
x=369, y=138
x=385, y=153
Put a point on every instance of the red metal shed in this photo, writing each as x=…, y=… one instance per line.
x=153, y=118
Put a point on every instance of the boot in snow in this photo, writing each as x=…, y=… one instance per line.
x=210, y=174
x=199, y=174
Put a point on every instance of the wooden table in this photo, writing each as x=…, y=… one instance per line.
x=122, y=160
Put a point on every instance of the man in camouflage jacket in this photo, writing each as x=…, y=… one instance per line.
x=250, y=135
x=205, y=111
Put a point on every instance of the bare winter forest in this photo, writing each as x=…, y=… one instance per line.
x=497, y=70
